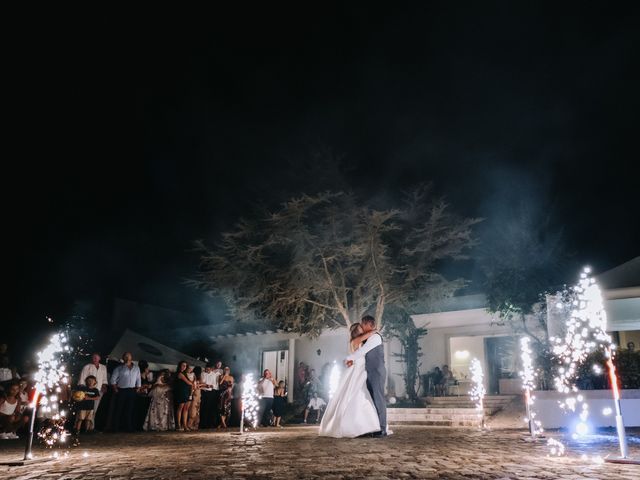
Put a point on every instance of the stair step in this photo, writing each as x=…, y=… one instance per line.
x=439, y=423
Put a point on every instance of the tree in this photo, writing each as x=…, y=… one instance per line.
x=522, y=258
x=323, y=261
x=399, y=324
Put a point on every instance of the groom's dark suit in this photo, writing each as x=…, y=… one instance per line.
x=376, y=375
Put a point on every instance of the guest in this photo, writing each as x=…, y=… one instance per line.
x=125, y=381
x=99, y=372
x=7, y=373
x=436, y=380
x=208, y=397
x=24, y=394
x=316, y=405
x=447, y=380
x=218, y=372
x=301, y=378
x=146, y=375
x=143, y=401
x=312, y=386
x=194, y=407
x=182, y=395
x=10, y=417
x=631, y=346
x=226, y=396
x=84, y=408
x=160, y=416
x=266, y=385
x=279, y=404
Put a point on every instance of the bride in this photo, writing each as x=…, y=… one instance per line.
x=351, y=411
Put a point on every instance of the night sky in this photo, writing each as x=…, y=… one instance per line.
x=134, y=135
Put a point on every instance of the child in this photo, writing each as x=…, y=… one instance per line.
x=279, y=403
x=84, y=408
x=10, y=417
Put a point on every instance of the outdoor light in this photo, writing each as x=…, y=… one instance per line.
x=582, y=428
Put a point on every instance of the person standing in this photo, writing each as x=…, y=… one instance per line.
x=160, y=416
x=373, y=353
x=196, y=399
x=218, y=373
x=182, y=389
x=208, y=397
x=266, y=386
x=125, y=381
x=99, y=372
x=226, y=396
x=84, y=408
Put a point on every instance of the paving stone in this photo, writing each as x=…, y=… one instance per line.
x=292, y=453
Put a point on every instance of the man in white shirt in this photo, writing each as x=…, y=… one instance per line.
x=98, y=370
x=266, y=386
x=316, y=404
x=209, y=397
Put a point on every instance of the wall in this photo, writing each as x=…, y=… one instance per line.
x=474, y=346
x=333, y=346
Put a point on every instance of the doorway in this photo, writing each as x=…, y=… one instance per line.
x=278, y=362
x=502, y=361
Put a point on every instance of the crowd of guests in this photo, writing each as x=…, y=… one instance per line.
x=131, y=397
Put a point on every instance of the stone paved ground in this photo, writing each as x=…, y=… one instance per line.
x=297, y=452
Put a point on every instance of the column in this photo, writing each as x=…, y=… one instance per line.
x=292, y=368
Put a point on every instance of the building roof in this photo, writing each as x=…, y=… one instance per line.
x=626, y=275
x=158, y=355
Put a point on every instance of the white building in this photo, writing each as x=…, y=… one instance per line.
x=461, y=330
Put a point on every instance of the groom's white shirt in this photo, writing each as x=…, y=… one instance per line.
x=374, y=341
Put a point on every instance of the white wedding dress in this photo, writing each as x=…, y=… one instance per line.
x=351, y=411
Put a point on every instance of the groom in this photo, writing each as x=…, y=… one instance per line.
x=373, y=352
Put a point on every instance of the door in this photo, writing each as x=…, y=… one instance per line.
x=278, y=362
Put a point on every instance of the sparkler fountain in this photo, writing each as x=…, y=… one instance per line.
x=249, y=408
x=50, y=378
x=528, y=375
x=586, y=332
x=478, y=391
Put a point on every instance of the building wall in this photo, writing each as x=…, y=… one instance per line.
x=333, y=346
x=243, y=353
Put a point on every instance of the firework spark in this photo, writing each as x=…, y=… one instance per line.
x=249, y=401
x=585, y=333
x=50, y=378
x=334, y=379
x=477, y=391
x=528, y=376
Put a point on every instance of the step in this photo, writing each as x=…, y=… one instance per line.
x=435, y=417
x=443, y=423
x=500, y=402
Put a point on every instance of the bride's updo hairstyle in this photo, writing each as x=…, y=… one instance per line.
x=356, y=330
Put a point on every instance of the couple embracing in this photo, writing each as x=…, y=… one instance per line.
x=358, y=407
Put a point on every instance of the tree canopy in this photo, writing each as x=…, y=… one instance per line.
x=323, y=261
